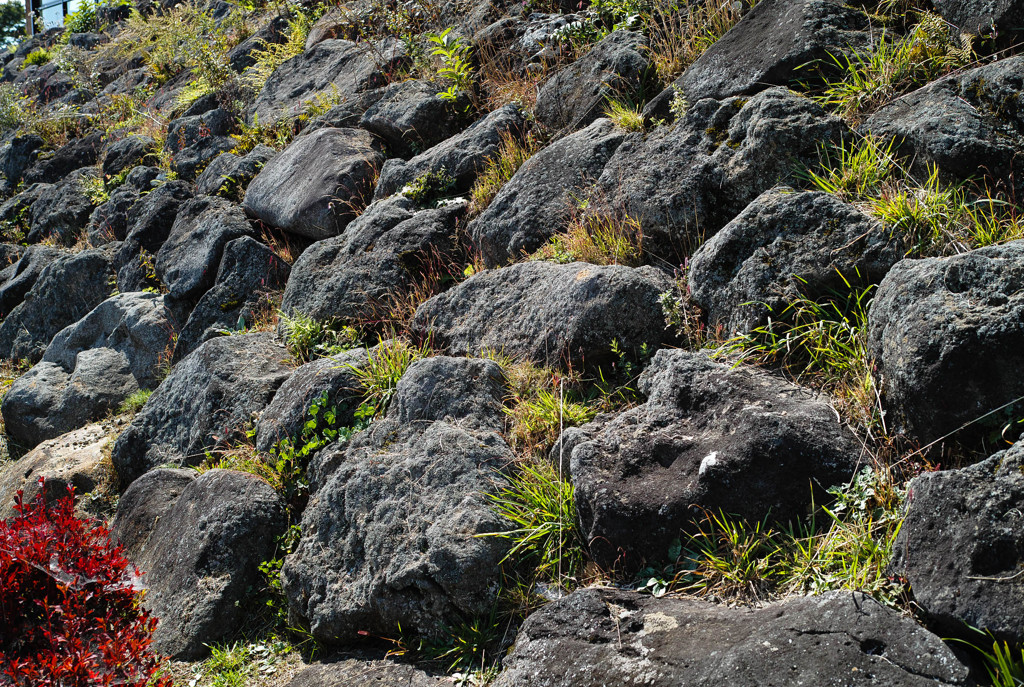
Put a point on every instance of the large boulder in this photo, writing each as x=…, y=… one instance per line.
x=966, y=125
x=248, y=277
x=354, y=671
x=75, y=459
x=206, y=401
x=946, y=334
x=16, y=156
x=62, y=210
x=67, y=289
x=229, y=175
x=411, y=117
x=330, y=66
x=784, y=246
x=462, y=156
x=984, y=16
x=391, y=533
x=149, y=224
x=578, y=93
x=81, y=152
x=315, y=187
x=127, y=153
x=548, y=313
x=961, y=545
x=710, y=436
x=380, y=254
x=683, y=183
x=195, y=140
x=21, y=276
x=538, y=200
x=604, y=636
x=202, y=555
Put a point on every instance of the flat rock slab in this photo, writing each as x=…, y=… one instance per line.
x=710, y=436
x=961, y=545
x=599, y=637
x=354, y=672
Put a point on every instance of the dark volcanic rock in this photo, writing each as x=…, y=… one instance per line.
x=22, y=275
x=462, y=156
x=146, y=500
x=597, y=637
x=967, y=124
x=197, y=139
x=770, y=44
x=17, y=156
x=687, y=181
x=67, y=289
x=109, y=221
x=62, y=210
x=538, y=200
x=242, y=56
x=783, y=246
x=355, y=671
x=961, y=545
x=390, y=534
x=207, y=399
x=578, y=94
x=229, y=175
x=548, y=313
x=127, y=153
x=710, y=436
x=149, y=224
x=411, y=117
x=944, y=333
x=203, y=555
x=983, y=16
x=81, y=152
x=314, y=186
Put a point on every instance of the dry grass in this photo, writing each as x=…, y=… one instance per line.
x=677, y=37
x=597, y=238
x=511, y=155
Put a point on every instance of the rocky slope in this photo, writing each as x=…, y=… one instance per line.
x=531, y=341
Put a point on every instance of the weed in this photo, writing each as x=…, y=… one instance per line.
x=455, y=66
x=599, y=239
x=429, y=187
x=387, y=363
x=513, y=151
x=37, y=57
x=466, y=643
x=683, y=316
x=272, y=55
x=308, y=339
x=14, y=108
x=855, y=170
x=1004, y=665
x=134, y=403
x=625, y=116
x=82, y=20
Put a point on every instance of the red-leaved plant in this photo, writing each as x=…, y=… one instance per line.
x=69, y=611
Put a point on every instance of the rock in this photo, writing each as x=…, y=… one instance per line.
x=379, y=255
x=242, y=56
x=62, y=210
x=76, y=459
x=229, y=175
x=611, y=637
x=578, y=94
x=462, y=156
x=551, y=314
x=109, y=221
x=537, y=202
x=314, y=187
x=196, y=140
x=353, y=671
x=518, y=43
x=334, y=376
x=149, y=224
x=410, y=117
x=943, y=324
x=146, y=501
x=16, y=211
x=24, y=274
x=967, y=124
x=348, y=112
x=248, y=274
x=776, y=43
x=17, y=156
x=687, y=181
x=188, y=260
x=202, y=557
x=67, y=289
x=329, y=66
x=205, y=402
x=784, y=246
x=81, y=152
x=978, y=16
x=961, y=543
x=391, y=533
x=127, y=153
x=710, y=436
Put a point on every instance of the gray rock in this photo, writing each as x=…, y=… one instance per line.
x=149, y=224
x=248, y=275
x=331, y=65
x=205, y=402
x=410, y=117
x=314, y=187
x=203, y=555
x=517, y=42
x=243, y=55
x=196, y=140
x=551, y=314
x=17, y=156
x=685, y=182
x=67, y=289
x=390, y=534
x=983, y=16
x=710, y=436
x=109, y=221
x=774, y=44
x=944, y=332
x=462, y=156
x=784, y=246
x=62, y=210
x=539, y=199
x=377, y=256
x=147, y=500
x=578, y=94
x=23, y=274
x=127, y=153
x=961, y=545
x=229, y=175
x=353, y=671
x=76, y=459
x=81, y=152
x=188, y=260
x=333, y=376
x=348, y=112
x=967, y=124
x=597, y=637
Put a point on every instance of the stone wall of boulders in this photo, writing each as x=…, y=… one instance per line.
x=151, y=284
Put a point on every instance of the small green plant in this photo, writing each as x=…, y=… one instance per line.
x=625, y=116
x=83, y=19
x=270, y=56
x=597, y=238
x=277, y=135
x=513, y=151
x=37, y=57
x=455, y=66
x=387, y=363
x=466, y=644
x=856, y=170
x=308, y=339
x=14, y=108
x=429, y=187
x=1003, y=663
x=133, y=404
